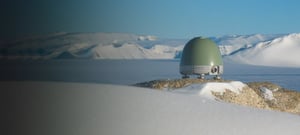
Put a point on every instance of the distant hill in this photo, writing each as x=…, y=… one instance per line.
x=257, y=49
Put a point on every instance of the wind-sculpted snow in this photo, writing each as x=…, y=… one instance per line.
x=244, y=39
x=232, y=44
x=257, y=49
x=46, y=108
x=282, y=51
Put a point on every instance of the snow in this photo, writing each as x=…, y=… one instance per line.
x=74, y=108
x=206, y=89
x=150, y=38
x=257, y=49
x=134, y=51
x=268, y=94
x=244, y=39
x=226, y=50
x=91, y=46
x=230, y=44
x=282, y=51
x=78, y=108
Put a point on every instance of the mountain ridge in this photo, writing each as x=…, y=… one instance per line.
x=256, y=49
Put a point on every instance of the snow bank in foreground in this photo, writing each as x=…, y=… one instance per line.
x=263, y=95
x=206, y=89
x=92, y=109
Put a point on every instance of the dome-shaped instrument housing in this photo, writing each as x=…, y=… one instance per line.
x=201, y=56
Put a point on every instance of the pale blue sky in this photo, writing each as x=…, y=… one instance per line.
x=163, y=18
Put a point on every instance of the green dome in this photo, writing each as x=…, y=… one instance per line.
x=201, y=51
x=201, y=56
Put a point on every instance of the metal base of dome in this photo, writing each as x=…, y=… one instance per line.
x=201, y=70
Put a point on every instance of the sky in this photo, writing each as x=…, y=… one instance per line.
x=162, y=18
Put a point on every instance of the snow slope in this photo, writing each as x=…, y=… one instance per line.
x=68, y=108
x=230, y=44
x=282, y=51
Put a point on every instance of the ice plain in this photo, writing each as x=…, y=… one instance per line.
x=128, y=72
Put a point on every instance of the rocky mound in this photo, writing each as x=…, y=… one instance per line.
x=283, y=99
x=174, y=84
x=263, y=95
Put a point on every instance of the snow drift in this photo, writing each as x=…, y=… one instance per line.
x=263, y=95
x=208, y=88
x=91, y=109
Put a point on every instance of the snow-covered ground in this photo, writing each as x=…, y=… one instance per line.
x=257, y=49
x=92, y=109
x=206, y=89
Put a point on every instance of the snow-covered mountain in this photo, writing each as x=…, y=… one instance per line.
x=281, y=51
x=258, y=49
x=231, y=44
x=92, y=46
